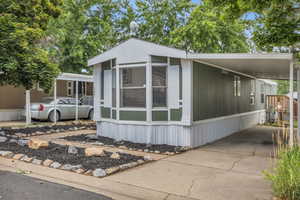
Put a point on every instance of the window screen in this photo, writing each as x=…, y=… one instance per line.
x=133, y=87
x=159, y=86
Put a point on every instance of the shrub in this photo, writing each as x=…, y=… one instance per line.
x=285, y=177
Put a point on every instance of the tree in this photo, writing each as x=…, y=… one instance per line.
x=210, y=30
x=277, y=23
x=85, y=29
x=157, y=19
x=22, y=29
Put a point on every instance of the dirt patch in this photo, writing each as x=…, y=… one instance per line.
x=155, y=148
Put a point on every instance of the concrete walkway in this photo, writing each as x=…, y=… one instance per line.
x=229, y=169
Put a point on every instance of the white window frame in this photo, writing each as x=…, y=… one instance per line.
x=139, y=87
x=70, y=88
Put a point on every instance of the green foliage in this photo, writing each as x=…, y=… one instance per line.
x=22, y=30
x=157, y=19
x=84, y=30
x=277, y=24
x=210, y=30
x=283, y=87
x=285, y=178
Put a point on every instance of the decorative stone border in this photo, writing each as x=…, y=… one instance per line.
x=181, y=149
x=74, y=168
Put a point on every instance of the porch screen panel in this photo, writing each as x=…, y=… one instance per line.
x=133, y=87
x=159, y=86
x=107, y=88
x=173, y=83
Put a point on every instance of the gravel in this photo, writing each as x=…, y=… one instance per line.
x=59, y=154
x=39, y=130
x=93, y=139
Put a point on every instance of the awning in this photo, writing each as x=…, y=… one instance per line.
x=265, y=66
x=75, y=77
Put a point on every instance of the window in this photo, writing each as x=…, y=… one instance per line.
x=70, y=88
x=159, y=86
x=114, y=89
x=133, y=87
x=237, y=86
x=252, y=92
x=262, y=95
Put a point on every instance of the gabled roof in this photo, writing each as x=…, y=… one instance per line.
x=136, y=50
x=259, y=65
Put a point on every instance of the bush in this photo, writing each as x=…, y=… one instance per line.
x=285, y=177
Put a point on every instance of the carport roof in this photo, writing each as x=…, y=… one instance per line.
x=266, y=65
x=259, y=65
x=75, y=77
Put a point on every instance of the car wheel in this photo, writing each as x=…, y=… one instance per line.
x=91, y=115
x=51, y=116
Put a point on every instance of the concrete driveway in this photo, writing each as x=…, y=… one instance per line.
x=228, y=169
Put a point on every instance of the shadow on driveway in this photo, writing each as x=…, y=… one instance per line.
x=16, y=186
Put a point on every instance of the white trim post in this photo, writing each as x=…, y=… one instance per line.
x=28, y=111
x=117, y=91
x=149, y=90
x=149, y=99
x=187, y=92
x=76, y=114
x=55, y=103
x=298, y=104
x=291, y=90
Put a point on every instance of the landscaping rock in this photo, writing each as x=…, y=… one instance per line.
x=55, y=165
x=147, y=157
x=94, y=151
x=140, y=161
x=112, y=170
x=122, y=147
x=3, y=139
x=22, y=142
x=18, y=156
x=2, y=133
x=72, y=150
x=6, y=153
x=157, y=152
x=71, y=167
x=13, y=141
x=125, y=166
x=92, y=137
x=115, y=156
x=47, y=162
x=37, y=162
x=89, y=172
x=99, y=172
x=37, y=144
x=79, y=171
x=146, y=150
x=26, y=159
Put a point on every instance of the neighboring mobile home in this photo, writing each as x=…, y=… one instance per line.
x=150, y=93
x=12, y=99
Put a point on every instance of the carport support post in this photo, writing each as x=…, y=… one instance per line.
x=298, y=104
x=55, y=103
x=28, y=112
x=291, y=138
x=76, y=117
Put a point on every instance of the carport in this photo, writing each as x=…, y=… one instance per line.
x=278, y=66
x=65, y=77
